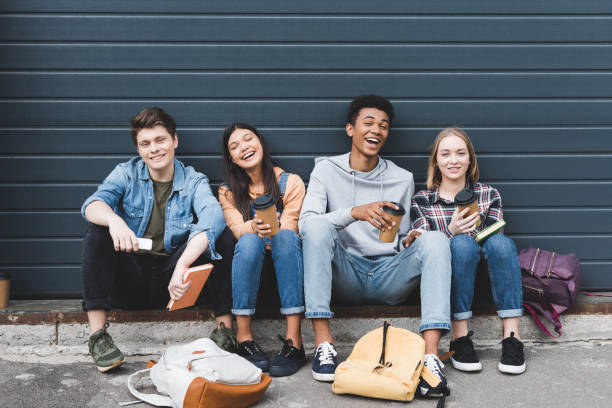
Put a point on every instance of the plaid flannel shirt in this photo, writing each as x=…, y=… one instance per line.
x=431, y=212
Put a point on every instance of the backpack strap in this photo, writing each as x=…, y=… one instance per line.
x=154, y=399
x=440, y=388
x=541, y=325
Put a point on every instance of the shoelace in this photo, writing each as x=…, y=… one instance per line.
x=251, y=347
x=434, y=364
x=287, y=347
x=105, y=343
x=326, y=353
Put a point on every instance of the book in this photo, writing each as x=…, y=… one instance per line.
x=490, y=230
x=198, y=275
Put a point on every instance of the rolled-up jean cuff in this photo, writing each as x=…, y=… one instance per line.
x=462, y=315
x=445, y=327
x=319, y=315
x=96, y=304
x=243, y=312
x=292, y=310
x=510, y=313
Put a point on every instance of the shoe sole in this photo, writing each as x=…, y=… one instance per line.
x=283, y=371
x=423, y=392
x=511, y=369
x=323, y=377
x=110, y=367
x=468, y=367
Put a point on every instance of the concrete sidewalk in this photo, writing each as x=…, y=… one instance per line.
x=557, y=376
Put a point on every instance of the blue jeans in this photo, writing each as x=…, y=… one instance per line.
x=387, y=280
x=246, y=272
x=504, y=273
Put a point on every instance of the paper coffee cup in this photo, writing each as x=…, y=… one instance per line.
x=467, y=198
x=266, y=210
x=388, y=235
x=5, y=289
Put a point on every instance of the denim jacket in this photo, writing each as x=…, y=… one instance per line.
x=191, y=207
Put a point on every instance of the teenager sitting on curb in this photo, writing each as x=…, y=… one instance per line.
x=340, y=223
x=249, y=173
x=153, y=196
x=453, y=167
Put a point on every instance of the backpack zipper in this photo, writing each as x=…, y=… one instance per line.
x=534, y=261
x=549, y=270
x=540, y=291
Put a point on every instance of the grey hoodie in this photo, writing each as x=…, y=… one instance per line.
x=335, y=188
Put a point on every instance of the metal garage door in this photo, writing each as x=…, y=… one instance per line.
x=530, y=81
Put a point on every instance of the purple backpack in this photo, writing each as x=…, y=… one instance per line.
x=551, y=282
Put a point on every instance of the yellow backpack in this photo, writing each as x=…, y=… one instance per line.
x=386, y=363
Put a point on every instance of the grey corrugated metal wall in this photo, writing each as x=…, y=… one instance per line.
x=530, y=81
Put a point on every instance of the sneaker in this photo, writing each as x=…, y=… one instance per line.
x=324, y=362
x=224, y=338
x=252, y=352
x=102, y=349
x=512, y=359
x=288, y=360
x=464, y=357
x=435, y=366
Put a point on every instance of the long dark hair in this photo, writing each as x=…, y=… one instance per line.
x=238, y=180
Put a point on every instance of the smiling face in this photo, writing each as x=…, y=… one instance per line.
x=245, y=149
x=369, y=133
x=156, y=147
x=453, y=158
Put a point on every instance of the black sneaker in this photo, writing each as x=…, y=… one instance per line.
x=288, y=360
x=464, y=358
x=252, y=352
x=512, y=359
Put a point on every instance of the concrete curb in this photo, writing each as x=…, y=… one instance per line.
x=151, y=338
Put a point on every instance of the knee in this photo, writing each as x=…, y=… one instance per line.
x=97, y=235
x=286, y=244
x=433, y=240
x=285, y=238
x=316, y=228
x=250, y=243
x=499, y=246
x=464, y=245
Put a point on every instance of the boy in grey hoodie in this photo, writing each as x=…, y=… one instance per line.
x=340, y=222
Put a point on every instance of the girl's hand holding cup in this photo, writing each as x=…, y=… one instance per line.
x=262, y=230
x=461, y=225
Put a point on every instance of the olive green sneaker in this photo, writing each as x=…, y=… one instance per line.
x=102, y=349
x=225, y=338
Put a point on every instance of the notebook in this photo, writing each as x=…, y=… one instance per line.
x=490, y=230
x=198, y=275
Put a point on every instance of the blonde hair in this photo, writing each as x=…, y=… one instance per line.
x=434, y=177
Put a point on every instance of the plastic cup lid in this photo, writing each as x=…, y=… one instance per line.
x=465, y=197
x=393, y=211
x=263, y=201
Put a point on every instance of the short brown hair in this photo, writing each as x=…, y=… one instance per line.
x=149, y=118
x=434, y=177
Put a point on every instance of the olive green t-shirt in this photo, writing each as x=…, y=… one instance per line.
x=157, y=222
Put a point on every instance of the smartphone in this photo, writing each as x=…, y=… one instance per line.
x=145, y=244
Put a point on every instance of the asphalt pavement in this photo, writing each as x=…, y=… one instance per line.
x=567, y=375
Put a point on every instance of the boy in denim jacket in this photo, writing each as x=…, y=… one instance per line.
x=151, y=196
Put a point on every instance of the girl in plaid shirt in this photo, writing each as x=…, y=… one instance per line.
x=452, y=167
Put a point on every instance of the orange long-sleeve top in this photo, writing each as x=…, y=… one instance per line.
x=292, y=205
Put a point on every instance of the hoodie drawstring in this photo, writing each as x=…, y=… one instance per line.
x=353, y=188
